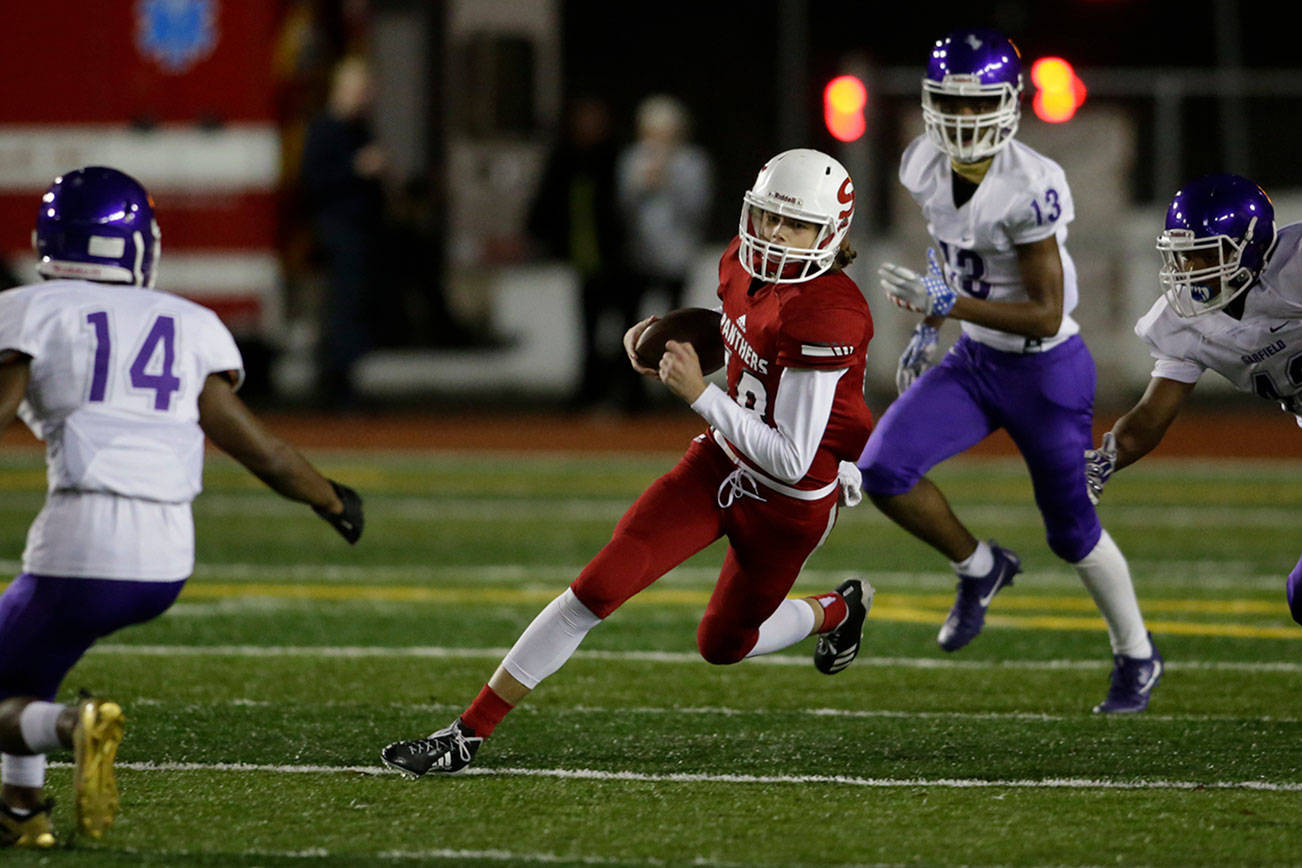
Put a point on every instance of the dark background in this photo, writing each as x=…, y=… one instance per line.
x=726, y=61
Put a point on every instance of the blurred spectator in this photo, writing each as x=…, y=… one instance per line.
x=664, y=187
x=574, y=216
x=341, y=175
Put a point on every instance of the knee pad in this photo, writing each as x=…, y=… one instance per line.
x=884, y=481
x=723, y=644
x=614, y=575
x=1074, y=544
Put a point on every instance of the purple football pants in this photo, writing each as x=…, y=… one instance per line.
x=1044, y=400
x=47, y=623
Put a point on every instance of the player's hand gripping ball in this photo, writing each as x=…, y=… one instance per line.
x=693, y=325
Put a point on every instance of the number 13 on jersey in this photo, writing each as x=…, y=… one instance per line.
x=152, y=369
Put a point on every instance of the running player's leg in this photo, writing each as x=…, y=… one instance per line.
x=673, y=519
x=748, y=613
x=937, y=417
x=1050, y=418
x=46, y=625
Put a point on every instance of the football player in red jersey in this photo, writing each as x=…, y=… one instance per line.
x=765, y=475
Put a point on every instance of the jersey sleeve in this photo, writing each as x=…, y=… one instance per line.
x=1041, y=208
x=16, y=328
x=822, y=334
x=219, y=352
x=1168, y=345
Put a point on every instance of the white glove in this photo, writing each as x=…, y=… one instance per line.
x=928, y=293
x=1099, y=464
x=919, y=355
x=850, y=482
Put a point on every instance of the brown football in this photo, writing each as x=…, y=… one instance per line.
x=694, y=325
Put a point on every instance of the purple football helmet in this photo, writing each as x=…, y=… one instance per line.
x=971, y=94
x=1220, y=231
x=97, y=223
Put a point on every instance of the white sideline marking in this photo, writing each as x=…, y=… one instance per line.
x=724, y=711
x=511, y=857
x=362, y=651
x=702, y=778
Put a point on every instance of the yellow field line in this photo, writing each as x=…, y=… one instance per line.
x=901, y=608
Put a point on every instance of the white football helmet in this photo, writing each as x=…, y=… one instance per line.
x=804, y=185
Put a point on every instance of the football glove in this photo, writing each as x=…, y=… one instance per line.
x=1099, y=464
x=919, y=355
x=928, y=293
x=349, y=522
x=850, y=484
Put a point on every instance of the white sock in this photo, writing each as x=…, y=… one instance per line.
x=23, y=771
x=1107, y=577
x=793, y=621
x=978, y=564
x=39, y=723
x=549, y=640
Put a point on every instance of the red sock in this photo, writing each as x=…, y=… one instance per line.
x=834, y=610
x=488, y=709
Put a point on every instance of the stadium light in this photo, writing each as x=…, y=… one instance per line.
x=1058, y=90
x=844, y=100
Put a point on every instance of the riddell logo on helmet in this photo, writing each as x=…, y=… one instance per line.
x=783, y=197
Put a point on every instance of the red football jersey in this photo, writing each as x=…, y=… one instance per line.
x=821, y=323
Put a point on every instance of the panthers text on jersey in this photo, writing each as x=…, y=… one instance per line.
x=819, y=324
x=1023, y=198
x=1260, y=353
x=115, y=377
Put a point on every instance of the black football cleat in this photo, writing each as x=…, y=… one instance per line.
x=447, y=751
x=837, y=648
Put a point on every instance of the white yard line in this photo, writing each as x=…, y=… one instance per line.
x=723, y=711
x=361, y=651
x=703, y=778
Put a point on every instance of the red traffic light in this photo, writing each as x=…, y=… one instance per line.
x=1058, y=90
x=844, y=100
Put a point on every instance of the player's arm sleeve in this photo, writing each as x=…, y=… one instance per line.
x=1168, y=346
x=1180, y=370
x=1043, y=209
x=221, y=355
x=786, y=450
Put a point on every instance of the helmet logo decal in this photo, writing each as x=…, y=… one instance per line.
x=973, y=41
x=845, y=196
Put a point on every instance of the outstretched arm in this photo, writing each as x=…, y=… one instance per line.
x=1142, y=428
x=230, y=424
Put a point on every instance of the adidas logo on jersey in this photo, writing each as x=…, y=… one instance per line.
x=734, y=340
x=741, y=322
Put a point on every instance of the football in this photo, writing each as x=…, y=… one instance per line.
x=694, y=325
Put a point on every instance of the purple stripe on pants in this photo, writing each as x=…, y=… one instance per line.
x=1044, y=400
x=48, y=622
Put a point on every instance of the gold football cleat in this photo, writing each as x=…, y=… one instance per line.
x=27, y=830
x=95, y=741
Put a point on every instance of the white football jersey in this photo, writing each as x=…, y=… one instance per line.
x=1260, y=353
x=1023, y=198
x=116, y=373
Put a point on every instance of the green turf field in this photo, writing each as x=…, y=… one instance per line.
x=258, y=705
